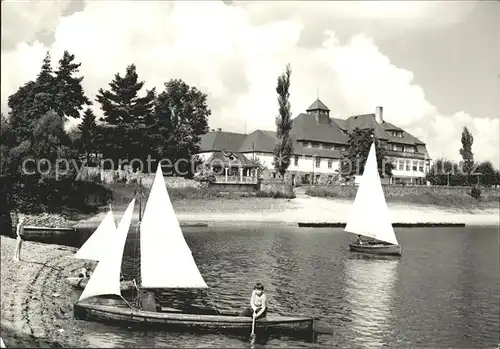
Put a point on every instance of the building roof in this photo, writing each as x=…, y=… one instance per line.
x=317, y=105
x=228, y=158
x=308, y=127
x=305, y=127
x=221, y=140
x=259, y=141
x=368, y=121
x=364, y=121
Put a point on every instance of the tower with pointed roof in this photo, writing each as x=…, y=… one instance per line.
x=320, y=112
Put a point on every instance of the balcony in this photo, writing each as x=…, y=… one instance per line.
x=235, y=179
x=401, y=154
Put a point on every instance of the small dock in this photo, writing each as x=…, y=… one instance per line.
x=395, y=225
x=37, y=228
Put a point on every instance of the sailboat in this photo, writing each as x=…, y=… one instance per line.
x=369, y=215
x=166, y=261
x=95, y=247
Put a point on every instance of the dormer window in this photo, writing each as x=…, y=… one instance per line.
x=398, y=134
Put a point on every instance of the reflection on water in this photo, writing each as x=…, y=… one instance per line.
x=443, y=292
x=369, y=289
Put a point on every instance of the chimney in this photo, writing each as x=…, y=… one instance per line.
x=219, y=129
x=379, y=115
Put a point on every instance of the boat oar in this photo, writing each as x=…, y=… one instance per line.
x=253, y=327
x=322, y=327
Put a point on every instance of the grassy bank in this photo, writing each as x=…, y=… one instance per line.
x=423, y=196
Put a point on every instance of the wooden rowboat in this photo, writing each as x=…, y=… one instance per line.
x=379, y=249
x=169, y=318
x=80, y=283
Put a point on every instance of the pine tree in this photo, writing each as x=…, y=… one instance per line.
x=88, y=129
x=127, y=113
x=70, y=94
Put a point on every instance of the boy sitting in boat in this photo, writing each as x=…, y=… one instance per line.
x=258, y=303
x=359, y=242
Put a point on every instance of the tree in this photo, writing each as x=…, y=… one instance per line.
x=284, y=147
x=446, y=172
x=180, y=118
x=466, y=151
x=487, y=176
x=359, y=143
x=127, y=114
x=32, y=100
x=57, y=91
x=88, y=130
x=70, y=94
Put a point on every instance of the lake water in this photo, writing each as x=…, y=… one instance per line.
x=442, y=293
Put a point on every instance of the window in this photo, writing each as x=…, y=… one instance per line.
x=421, y=166
x=296, y=160
x=408, y=165
x=330, y=162
x=397, y=134
x=401, y=165
x=318, y=162
x=397, y=147
x=409, y=149
x=315, y=145
x=414, y=167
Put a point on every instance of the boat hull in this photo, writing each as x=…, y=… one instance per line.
x=79, y=283
x=175, y=319
x=378, y=249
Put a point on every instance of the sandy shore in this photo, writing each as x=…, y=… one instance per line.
x=315, y=210
x=36, y=309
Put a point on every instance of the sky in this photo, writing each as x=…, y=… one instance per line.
x=433, y=66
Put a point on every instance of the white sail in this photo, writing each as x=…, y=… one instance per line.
x=105, y=280
x=369, y=213
x=98, y=243
x=166, y=260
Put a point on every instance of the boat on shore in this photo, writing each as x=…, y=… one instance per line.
x=80, y=283
x=370, y=216
x=166, y=262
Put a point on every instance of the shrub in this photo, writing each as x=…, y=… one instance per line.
x=276, y=194
x=475, y=192
x=206, y=175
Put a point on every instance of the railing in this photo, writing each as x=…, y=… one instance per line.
x=235, y=179
x=401, y=154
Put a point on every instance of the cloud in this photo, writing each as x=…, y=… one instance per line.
x=236, y=60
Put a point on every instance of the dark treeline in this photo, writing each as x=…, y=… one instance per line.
x=136, y=124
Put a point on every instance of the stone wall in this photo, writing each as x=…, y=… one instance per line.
x=298, y=178
x=125, y=176
x=234, y=187
x=349, y=191
x=275, y=185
